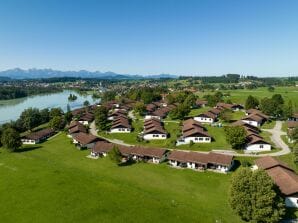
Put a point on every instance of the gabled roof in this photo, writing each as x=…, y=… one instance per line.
x=292, y=124
x=258, y=112
x=201, y=102
x=268, y=162
x=40, y=134
x=154, y=130
x=208, y=115
x=84, y=138
x=285, y=179
x=202, y=158
x=254, y=117
x=77, y=128
x=215, y=111
x=151, y=152
x=196, y=131
x=221, y=159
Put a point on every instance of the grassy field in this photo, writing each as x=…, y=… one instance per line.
x=239, y=96
x=174, y=129
x=54, y=182
x=218, y=141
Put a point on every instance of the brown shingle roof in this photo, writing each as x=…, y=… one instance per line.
x=40, y=134
x=84, y=138
x=151, y=152
x=285, y=179
x=268, y=162
x=292, y=124
x=202, y=158
x=208, y=114
x=77, y=128
x=254, y=117
x=196, y=131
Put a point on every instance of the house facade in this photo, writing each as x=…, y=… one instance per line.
x=38, y=137
x=206, y=117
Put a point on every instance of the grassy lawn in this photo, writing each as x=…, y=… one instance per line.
x=172, y=129
x=196, y=111
x=269, y=124
x=219, y=141
x=54, y=182
x=237, y=115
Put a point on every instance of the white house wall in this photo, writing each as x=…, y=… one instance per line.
x=154, y=136
x=253, y=123
x=257, y=147
x=120, y=130
x=204, y=120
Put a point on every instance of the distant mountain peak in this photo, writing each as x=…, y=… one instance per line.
x=34, y=73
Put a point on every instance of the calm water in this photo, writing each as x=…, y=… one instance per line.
x=11, y=109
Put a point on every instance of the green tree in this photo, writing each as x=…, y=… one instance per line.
x=30, y=118
x=235, y=136
x=180, y=112
x=288, y=110
x=240, y=193
x=115, y=155
x=271, y=107
x=278, y=99
x=101, y=117
x=57, y=123
x=251, y=102
x=140, y=108
x=86, y=103
x=55, y=112
x=271, y=89
x=190, y=100
x=11, y=139
x=226, y=115
x=254, y=197
x=45, y=115
x=108, y=96
x=68, y=117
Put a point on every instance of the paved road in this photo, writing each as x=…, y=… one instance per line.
x=275, y=137
x=276, y=134
x=93, y=131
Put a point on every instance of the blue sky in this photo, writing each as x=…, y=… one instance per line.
x=186, y=37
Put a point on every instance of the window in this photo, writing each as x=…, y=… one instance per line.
x=201, y=139
x=261, y=146
x=196, y=139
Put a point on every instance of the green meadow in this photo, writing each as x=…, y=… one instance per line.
x=55, y=182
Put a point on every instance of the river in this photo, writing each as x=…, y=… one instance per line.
x=11, y=109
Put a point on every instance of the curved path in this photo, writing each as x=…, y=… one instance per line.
x=275, y=138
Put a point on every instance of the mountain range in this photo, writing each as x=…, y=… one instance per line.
x=34, y=73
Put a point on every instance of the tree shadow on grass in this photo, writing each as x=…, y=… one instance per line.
x=236, y=165
x=27, y=149
x=290, y=213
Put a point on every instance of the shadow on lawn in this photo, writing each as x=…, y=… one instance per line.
x=27, y=149
x=236, y=165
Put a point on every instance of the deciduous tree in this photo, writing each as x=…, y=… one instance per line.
x=251, y=102
x=235, y=136
x=115, y=155
x=255, y=198
x=11, y=139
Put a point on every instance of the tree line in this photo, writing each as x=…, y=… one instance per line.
x=9, y=92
